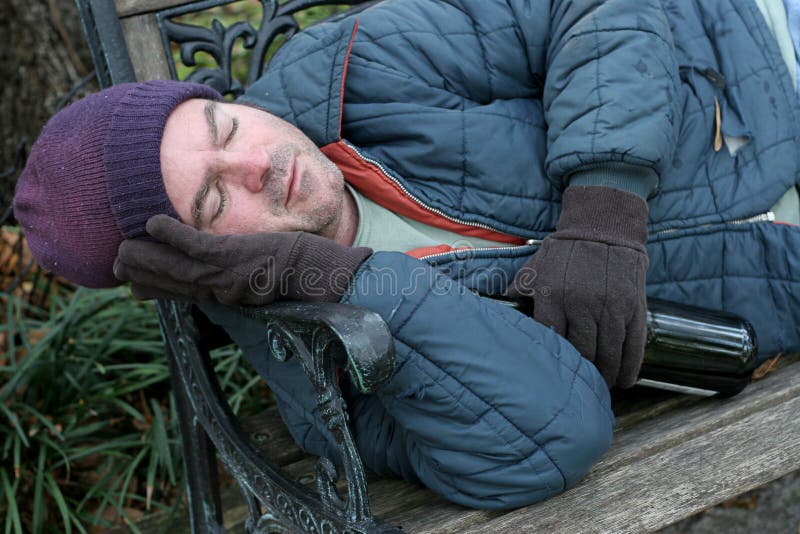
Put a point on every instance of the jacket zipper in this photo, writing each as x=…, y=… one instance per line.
x=761, y=217
x=378, y=164
x=528, y=243
x=418, y=201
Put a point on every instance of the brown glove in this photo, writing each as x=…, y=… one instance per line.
x=587, y=280
x=254, y=269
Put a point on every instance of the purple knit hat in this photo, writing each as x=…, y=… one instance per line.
x=93, y=177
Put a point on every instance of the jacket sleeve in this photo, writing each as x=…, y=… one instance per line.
x=611, y=94
x=492, y=409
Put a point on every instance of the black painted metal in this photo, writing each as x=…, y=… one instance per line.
x=199, y=457
x=323, y=337
x=106, y=42
x=367, y=353
x=311, y=333
x=276, y=19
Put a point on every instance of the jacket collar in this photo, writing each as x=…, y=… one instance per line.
x=304, y=83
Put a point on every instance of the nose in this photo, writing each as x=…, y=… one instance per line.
x=247, y=168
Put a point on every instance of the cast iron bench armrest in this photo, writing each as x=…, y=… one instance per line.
x=324, y=337
x=368, y=350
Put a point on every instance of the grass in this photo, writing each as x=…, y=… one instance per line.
x=90, y=436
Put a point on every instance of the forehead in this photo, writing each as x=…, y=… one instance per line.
x=187, y=125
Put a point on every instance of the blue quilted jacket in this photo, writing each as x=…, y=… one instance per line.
x=473, y=115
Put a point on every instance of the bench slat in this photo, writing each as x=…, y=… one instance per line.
x=641, y=404
x=142, y=35
x=126, y=8
x=269, y=435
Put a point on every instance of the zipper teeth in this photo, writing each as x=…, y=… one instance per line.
x=528, y=243
x=761, y=217
x=418, y=201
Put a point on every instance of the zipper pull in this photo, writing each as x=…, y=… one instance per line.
x=716, y=79
x=717, y=126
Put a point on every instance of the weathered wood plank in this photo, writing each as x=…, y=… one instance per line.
x=660, y=470
x=127, y=8
x=635, y=405
x=667, y=451
x=639, y=404
x=684, y=423
x=386, y=495
x=650, y=427
x=268, y=433
x=147, y=54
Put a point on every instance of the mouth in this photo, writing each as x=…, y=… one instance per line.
x=292, y=179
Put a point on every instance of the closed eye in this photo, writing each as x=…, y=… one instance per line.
x=234, y=129
x=223, y=200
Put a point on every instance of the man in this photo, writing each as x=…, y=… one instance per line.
x=505, y=128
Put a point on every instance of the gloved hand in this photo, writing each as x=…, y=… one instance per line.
x=588, y=279
x=254, y=269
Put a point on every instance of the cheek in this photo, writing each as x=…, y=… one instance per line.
x=246, y=214
x=246, y=217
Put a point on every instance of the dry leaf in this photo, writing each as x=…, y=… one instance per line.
x=109, y=514
x=747, y=502
x=141, y=426
x=149, y=496
x=34, y=336
x=14, y=253
x=766, y=367
x=134, y=513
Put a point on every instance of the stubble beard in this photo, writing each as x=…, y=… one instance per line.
x=328, y=216
x=320, y=218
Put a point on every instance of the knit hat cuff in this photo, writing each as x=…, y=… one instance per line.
x=133, y=151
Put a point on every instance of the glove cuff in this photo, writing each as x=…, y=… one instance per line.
x=603, y=214
x=322, y=268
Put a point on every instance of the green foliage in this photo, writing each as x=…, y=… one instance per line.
x=90, y=435
x=242, y=11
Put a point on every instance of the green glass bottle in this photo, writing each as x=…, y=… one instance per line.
x=690, y=349
x=696, y=350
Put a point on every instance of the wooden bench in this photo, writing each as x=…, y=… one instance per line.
x=673, y=455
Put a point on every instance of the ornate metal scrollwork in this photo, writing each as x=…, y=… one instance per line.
x=321, y=371
x=288, y=506
x=218, y=41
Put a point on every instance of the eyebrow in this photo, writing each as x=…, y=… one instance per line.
x=211, y=119
x=199, y=197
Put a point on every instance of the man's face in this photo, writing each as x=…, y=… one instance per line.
x=233, y=169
